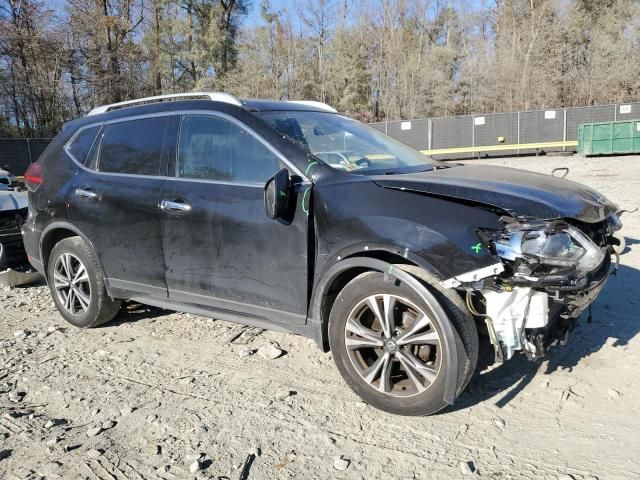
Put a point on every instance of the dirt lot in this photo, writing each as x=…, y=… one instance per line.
x=162, y=394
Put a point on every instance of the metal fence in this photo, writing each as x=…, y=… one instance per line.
x=16, y=154
x=551, y=130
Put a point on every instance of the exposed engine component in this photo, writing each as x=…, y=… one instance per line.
x=514, y=311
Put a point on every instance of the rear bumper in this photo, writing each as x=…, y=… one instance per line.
x=37, y=265
x=31, y=240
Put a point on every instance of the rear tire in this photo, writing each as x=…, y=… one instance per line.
x=400, y=369
x=77, y=284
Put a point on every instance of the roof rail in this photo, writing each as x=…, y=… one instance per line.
x=213, y=96
x=312, y=103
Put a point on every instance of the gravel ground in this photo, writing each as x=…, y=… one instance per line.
x=161, y=395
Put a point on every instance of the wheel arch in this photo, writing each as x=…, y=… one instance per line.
x=54, y=233
x=348, y=268
x=327, y=289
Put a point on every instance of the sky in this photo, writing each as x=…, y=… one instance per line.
x=254, y=17
x=276, y=5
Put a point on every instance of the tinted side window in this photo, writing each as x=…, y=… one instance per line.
x=133, y=147
x=83, y=142
x=214, y=148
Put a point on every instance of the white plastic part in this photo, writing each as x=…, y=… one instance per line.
x=507, y=311
x=312, y=103
x=213, y=96
x=538, y=315
x=473, y=275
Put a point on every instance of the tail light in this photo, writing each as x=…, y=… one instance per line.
x=34, y=177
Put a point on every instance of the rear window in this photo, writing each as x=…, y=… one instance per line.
x=81, y=145
x=133, y=147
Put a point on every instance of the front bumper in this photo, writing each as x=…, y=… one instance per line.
x=578, y=300
x=529, y=301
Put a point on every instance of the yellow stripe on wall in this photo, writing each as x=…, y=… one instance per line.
x=497, y=148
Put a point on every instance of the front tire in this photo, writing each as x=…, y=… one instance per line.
x=388, y=344
x=77, y=285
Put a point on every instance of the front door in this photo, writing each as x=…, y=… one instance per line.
x=220, y=248
x=114, y=202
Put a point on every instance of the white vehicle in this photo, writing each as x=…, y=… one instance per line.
x=7, y=178
x=13, y=212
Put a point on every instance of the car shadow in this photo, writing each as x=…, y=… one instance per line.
x=614, y=323
x=630, y=241
x=133, y=311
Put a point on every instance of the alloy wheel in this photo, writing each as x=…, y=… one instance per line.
x=393, y=345
x=71, y=283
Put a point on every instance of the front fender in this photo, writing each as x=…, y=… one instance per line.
x=438, y=234
x=373, y=249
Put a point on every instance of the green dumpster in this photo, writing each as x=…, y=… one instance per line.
x=608, y=138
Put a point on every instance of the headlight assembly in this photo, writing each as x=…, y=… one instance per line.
x=556, y=245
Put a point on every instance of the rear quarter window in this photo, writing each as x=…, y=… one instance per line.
x=81, y=145
x=133, y=147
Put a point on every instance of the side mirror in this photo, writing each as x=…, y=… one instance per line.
x=276, y=194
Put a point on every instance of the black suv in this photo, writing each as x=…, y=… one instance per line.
x=290, y=216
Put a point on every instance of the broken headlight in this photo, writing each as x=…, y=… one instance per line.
x=558, y=245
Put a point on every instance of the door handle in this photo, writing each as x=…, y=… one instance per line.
x=171, y=206
x=81, y=192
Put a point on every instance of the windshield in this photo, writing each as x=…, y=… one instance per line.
x=345, y=143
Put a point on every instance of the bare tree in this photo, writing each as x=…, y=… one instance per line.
x=375, y=59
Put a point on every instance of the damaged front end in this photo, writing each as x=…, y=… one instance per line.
x=11, y=220
x=14, y=266
x=550, y=272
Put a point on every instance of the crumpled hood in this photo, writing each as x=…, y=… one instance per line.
x=12, y=200
x=520, y=193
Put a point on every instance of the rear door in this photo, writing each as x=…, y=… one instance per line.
x=220, y=248
x=114, y=201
